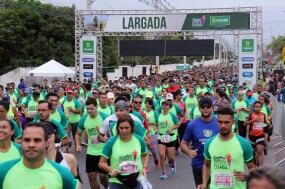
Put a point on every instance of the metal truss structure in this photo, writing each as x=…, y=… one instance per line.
x=255, y=29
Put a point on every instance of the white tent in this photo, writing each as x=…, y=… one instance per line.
x=52, y=69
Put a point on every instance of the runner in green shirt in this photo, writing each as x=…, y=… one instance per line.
x=8, y=149
x=127, y=155
x=31, y=103
x=91, y=123
x=72, y=111
x=34, y=170
x=241, y=108
x=225, y=155
x=168, y=125
x=190, y=101
x=103, y=106
x=44, y=109
x=56, y=114
x=152, y=119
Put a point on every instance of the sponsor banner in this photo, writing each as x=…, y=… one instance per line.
x=88, y=66
x=88, y=57
x=248, y=60
x=160, y=22
x=247, y=66
x=217, y=21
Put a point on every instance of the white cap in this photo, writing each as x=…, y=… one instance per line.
x=169, y=96
x=110, y=95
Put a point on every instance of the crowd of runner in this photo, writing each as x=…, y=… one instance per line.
x=220, y=125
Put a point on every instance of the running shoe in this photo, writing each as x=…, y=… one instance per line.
x=163, y=176
x=173, y=169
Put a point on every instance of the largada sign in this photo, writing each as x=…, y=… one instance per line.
x=171, y=22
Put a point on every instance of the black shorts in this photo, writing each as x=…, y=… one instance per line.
x=255, y=140
x=198, y=177
x=168, y=145
x=92, y=163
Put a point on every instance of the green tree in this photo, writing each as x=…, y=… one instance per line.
x=32, y=33
x=277, y=45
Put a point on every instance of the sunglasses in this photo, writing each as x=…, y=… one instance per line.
x=206, y=107
x=137, y=102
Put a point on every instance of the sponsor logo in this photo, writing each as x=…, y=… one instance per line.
x=247, y=45
x=220, y=21
x=88, y=74
x=199, y=22
x=247, y=59
x=247, y=74
x=144, y=23
x=88, y=46
x=247, y=66
x=88, y=59
x=88, y=66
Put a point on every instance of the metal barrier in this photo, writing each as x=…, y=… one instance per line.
x=278, y=119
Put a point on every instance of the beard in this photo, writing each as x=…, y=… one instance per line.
x=225, y=132
x=206, y=115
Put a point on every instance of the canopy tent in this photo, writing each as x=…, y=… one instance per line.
x=52, y=69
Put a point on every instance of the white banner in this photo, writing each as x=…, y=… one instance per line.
x=134, y=23
x=88, y=47
x=248, y=60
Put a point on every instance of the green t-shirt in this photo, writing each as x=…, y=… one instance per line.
x=190, y=102
x=10, y=113
x=60, y=117
x=125, y=156
x=107, y=110
x=165, y=122
x=49, y=176
x=13, y=153
x=62, y=99
x=92, y=126
x=266, y=110
x=239, y=104
x=201, y=90
x=227, y=157
x=195, y=113
x=152, y=118
x=32, y=107
x=74, y=104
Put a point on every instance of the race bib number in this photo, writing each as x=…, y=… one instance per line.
x=258, y=126
x=216, y=108
x=128, y=167
x=223, y=179
x=165, y=138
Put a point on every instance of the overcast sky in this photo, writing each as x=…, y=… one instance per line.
x=273, y=10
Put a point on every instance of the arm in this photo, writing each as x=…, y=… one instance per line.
x=72, y=163
x=77, y=140
x=240, y=175
x=76, y=111
x=103, y=164
x=65, y=141
x=145, y=159
x=185, y=149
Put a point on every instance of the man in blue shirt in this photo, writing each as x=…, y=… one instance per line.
x=197, y=132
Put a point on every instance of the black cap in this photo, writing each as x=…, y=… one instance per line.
x=205, y=101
